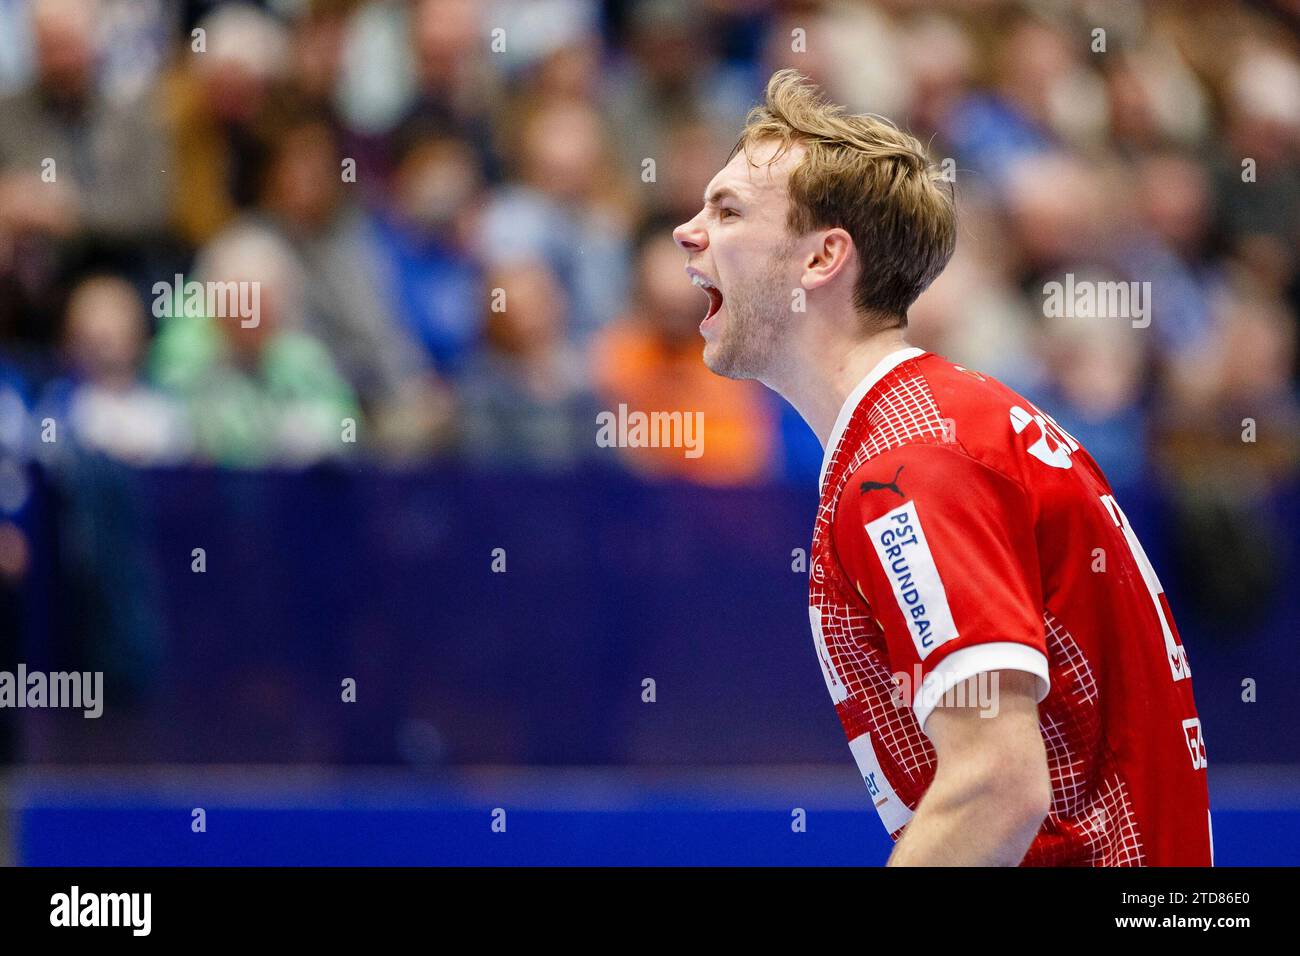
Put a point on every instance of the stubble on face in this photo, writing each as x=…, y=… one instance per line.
x=758, y=317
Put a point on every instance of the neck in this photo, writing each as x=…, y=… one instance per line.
x=823, y=369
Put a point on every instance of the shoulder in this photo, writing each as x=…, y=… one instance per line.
x=966, y=395
x=928, y=402
x=962, y=460
x=983, y=419
x=941, y=476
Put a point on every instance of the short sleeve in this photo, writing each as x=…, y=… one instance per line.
x=942, y=548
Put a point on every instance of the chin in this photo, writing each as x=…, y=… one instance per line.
x=720, y=362
x=712, y=348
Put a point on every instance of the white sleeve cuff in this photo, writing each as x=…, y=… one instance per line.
x=979, y=659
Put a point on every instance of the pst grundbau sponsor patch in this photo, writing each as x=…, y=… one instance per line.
x=909, y=566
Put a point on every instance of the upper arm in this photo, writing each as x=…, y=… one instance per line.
x=987, y=734
x=995, y=713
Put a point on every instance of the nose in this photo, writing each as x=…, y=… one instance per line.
x=690, y=236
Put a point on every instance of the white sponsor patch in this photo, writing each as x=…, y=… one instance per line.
x=905, y=555
x=894, y=813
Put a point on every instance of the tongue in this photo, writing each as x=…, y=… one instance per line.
x=715, y=303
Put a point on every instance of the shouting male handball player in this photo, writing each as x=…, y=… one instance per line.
x=995, y=641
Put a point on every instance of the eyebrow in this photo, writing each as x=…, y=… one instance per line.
x=719, y=194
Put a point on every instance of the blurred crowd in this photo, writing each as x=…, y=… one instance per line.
x=458, y=218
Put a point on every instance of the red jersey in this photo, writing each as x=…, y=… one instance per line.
x=962, y=531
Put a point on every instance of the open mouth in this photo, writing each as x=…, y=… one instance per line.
x=713, y=292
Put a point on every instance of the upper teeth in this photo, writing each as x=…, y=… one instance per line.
x=702, y=282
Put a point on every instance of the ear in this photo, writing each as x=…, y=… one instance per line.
x=828, y=259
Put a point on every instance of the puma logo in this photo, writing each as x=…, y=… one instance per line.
x=891, y=485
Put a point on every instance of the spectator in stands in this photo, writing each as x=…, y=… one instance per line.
x=308, y=205
x=218, y=100
x=1228, y=431
x=456, y=82
x=259, y=391
x=71, y=159
x=565, y=211
x=81, y=174
x=431, y=276
x=105, y=405
x=524, y=396
x=972, y=310
x=692, y=151
x=1096, y=365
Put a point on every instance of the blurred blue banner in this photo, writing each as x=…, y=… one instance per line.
x=386, y=578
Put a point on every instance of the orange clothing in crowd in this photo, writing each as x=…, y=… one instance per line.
x=635, y=365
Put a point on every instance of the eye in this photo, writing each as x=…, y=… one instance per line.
x=727, y=212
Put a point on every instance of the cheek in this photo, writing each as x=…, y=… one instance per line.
x=736, y=253
x=751, y=245
x=753, y=263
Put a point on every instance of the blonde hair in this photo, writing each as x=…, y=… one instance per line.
x=864, y=175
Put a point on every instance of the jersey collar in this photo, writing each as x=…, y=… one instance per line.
x=883, y=368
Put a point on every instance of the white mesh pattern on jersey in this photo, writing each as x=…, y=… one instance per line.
x=1110, y=828
x=1073, y=665
x=1069, y=774
x=1069, y=723
x=903, y=411
x=872, y=703
x=1068, y=719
